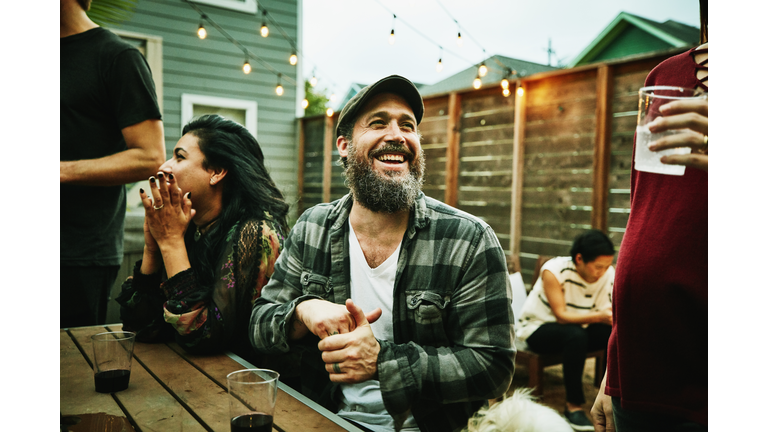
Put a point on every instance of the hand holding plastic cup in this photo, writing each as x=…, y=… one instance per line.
x=651, y=100
x=112, y=355
x=252, y=397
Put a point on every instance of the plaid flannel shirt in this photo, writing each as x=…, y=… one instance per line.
x=452, y=318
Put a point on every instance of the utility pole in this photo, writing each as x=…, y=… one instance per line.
x=550, y=52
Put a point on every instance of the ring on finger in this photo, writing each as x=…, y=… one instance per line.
x=158, y=208
x=336, y=368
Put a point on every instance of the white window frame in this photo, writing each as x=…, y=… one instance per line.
x=248, y=6
x=188, y=101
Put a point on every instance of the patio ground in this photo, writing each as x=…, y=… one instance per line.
x=554, y=390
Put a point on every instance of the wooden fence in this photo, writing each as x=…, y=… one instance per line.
x=540, y=166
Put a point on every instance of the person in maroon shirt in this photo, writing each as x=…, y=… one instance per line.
x=656, y=378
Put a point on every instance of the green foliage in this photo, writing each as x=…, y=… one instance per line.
x=111, y=12
x=316, y=98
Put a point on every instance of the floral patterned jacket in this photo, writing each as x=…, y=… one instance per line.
x=204, y=319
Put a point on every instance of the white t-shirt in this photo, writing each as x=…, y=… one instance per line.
x=580, y=297
x=371, y=288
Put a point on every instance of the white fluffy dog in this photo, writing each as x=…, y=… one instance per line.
x=518, y=413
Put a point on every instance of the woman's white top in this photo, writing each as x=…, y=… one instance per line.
x=580, y=297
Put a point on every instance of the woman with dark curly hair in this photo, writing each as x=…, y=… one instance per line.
x=214, y=225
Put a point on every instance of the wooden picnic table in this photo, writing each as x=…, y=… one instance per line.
x=169, y=390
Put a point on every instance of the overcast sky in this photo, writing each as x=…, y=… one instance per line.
x=347, y=40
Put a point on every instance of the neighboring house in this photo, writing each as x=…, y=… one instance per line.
x=499, y=67
x=354, y=88
x=194, y=76
x=630, y=34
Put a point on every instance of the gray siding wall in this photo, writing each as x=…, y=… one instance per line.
x=213, y=67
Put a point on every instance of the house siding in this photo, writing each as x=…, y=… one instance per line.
x=213, y=67
x=631, y=41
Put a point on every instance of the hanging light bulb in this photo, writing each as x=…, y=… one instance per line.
x=201, y=33
x=329, y=112
x=482, y=70
x=520, y=91
x=505, y=92
x=246, y=67
x=293, y=59
x=477, y=83
x=313, y=81
x=505, y=83
x=458, y=40
x=439, y=66
x=264, y=28
x=333, y=97
x=279, y=89
x=392, y=37
x=304, y=103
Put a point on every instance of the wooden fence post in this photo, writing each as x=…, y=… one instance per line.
x=601, y=163
x=300, y=180
x=452, y=150
x=518, y=155
x=328, y=142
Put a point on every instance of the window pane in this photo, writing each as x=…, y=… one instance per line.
x=235, y=114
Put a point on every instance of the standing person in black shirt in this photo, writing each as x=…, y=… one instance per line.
x=110, y=134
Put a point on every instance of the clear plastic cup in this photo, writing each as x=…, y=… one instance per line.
x=651, y=100
x=252, y=397
x=112, y=355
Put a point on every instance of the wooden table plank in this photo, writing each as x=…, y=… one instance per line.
x=77, y=391
x=290, y=413
x=148, y=403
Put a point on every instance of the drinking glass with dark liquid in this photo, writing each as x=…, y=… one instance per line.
x=112, y=355
x=252, y=397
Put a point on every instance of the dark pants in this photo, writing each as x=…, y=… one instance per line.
x=84, y=294
x=573, y=342
x=639, y=421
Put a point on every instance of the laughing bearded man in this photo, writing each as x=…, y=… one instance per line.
x=399, y=305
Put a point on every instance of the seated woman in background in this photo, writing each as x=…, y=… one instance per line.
x=198, y=281
x=569, y=312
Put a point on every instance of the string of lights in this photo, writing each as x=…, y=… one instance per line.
x=202, y=33
x=293, y=58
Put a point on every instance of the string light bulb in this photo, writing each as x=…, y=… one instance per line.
x=304, y=103
x=439, y=66
x=505, y=83
x=482, y=70
x=392, y=33
x=246, y=67
x=264, y=28
x=458, y=40
x=477, y=83
x=293, y=59
x=279, y=89
x=201, y=32
x=329, y=112
x=520, y=91
x=313, y=80
x=333, y=97
x=505, y=92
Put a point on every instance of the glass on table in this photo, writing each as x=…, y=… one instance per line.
x=112, y=356
x=252, y=397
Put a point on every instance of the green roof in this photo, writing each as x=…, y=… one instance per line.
x=498, y=67
x=630, y=34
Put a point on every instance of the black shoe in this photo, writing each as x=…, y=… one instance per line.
x=578, y=420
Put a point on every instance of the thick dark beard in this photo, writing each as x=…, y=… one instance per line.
x=388, y=194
